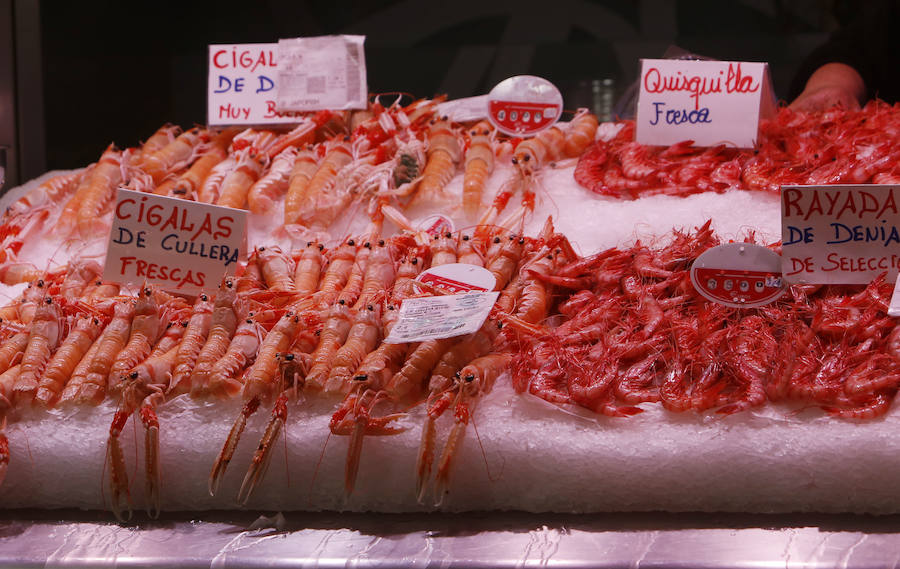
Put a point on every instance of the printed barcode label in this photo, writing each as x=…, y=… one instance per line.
x=435, y=317
x=315, y=85
x=325, y=72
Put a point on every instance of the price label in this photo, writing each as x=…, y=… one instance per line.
x=741, y=275
x=319, y=73
x=436, y=317
x=180, y=245
x=709, y=102
x=242, y=84
x=455, y=278
x=524, y=105
x=841, y=234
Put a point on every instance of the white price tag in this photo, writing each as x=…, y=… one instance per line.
x=183, y=246
x=709, y=102
x=318, y=73
x=435, y=317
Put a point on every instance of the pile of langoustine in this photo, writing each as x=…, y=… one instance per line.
x=290, y=325
x=836, y=146
x=379, y=160
x=633, y=330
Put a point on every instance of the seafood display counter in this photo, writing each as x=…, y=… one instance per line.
x=549, y=463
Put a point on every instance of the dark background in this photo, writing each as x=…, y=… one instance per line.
x=115, y=71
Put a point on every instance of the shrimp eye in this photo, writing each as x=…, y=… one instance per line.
x=228, y=284
x=436, y=237
x=321, y=246
x=296, y=319
x=249, y=321
x=98, y=283
x=469, y=377
x=474, y=132
x=95, y=321
x=49, y=301
x=204, y=298
x=527, y=157
x=169, y=325
x=351, y=242
x=448, y=235
x=342, y=302
x=550, y=257
x=361, y=377
x=496, y=240
x=370, y=307
x=514, y=161
x=347, y=138
x=308, y=243
x=486, y=131
x=133, y=375
x=390, y=306
x=40, y=283
x=290, y=312
x=184, y=323
x=381, y=242
x=465, y=237
x=367, y=245
x=289, y=357
x=262, y=249
x=521, y=240
x=415, y=261
x=147, y=291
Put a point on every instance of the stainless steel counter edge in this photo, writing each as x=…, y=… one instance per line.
x=65, y=538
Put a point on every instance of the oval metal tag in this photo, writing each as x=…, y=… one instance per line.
x=740, y=275
x=456, y=278
x=436, y=224
x=524, y=105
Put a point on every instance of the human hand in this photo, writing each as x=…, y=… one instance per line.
x=825, y=97
x=830, y=85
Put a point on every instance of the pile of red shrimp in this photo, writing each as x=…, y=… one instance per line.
x=635, y=331
x=836, y=146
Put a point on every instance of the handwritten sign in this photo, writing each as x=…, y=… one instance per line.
x=182, y=246
x=242, y=85
x=319, y=73
x=709, y=102
x=841, y=234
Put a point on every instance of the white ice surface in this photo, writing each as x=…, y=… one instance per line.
x=528, y=455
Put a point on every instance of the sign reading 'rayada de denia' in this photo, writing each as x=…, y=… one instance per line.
x=179, y=245
x=842, y=234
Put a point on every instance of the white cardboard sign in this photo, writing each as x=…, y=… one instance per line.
x=841, y=234
x=180, y=245
x=242, y=85
x=435, y=317
x=319, y=73
x=709, y=102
